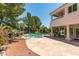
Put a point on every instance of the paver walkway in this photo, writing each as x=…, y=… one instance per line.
x=19, y=49
x=51, y=47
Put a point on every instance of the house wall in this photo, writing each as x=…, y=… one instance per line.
x=69, y=18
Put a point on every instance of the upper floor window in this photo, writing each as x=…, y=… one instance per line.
x=72, y=8
x=75, y=7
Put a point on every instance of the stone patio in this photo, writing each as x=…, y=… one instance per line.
x=51, y=47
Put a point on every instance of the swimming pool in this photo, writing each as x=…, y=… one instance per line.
x=33, y=35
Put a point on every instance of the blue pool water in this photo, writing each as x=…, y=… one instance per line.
x=33, y=35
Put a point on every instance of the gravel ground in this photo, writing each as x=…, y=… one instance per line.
x=19, y=49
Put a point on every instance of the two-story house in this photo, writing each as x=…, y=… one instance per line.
x=65, y=21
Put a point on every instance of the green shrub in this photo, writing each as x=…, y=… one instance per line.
x=4, y=31
x=2, y=42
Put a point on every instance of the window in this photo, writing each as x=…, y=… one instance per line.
x=72, y=8
x=77, y=33
x=75, y=7
x=71, y=31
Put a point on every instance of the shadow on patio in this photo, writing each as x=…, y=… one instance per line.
x=72, y=42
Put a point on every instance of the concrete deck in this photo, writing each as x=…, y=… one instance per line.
x=51, y=47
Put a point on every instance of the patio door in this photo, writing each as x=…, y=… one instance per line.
x=77, y=32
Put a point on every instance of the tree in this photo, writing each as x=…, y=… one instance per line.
x=36, y=23
x=45, y=30
x=10, y=11
x=28, y=19
x=33, y=23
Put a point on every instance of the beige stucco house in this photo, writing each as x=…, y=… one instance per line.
x=65, y=21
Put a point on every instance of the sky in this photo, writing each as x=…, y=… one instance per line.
x=41, y=10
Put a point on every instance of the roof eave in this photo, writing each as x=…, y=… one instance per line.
x=57, y=9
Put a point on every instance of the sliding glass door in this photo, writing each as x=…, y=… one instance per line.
x=77, y=33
